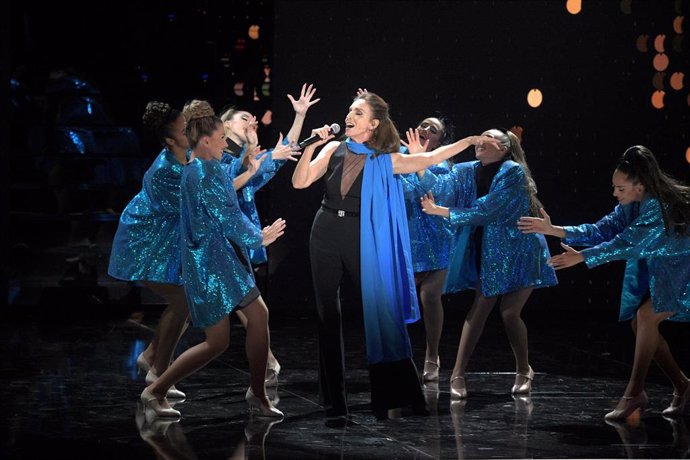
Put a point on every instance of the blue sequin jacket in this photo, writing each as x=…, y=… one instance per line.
x=146, y=246
x=657, y=263
x=215, y=237
x=510, y=260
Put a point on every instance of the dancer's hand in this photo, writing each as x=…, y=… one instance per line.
x=273, y=232
x=566, y=259
x=254, y=159
x=413, y=144
x=361, y=91
x=429, y=205
x=536, y=224
x=302, y=104
x=284, y=152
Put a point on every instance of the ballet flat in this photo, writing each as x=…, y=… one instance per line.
x=150, y=401
x=679, y=403
x=526, y=387
x=142, y=364
x=432, y=376
x=272, y=375
x=457, y=394
x=631, y=404
x=255, y=404
x=173, y=393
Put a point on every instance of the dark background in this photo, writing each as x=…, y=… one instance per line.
x=474, y=61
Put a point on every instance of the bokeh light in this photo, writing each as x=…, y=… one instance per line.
x=239, y=88
x=658, y=99
x=678, y=24
x=660, y=62
x=659, y=43
x=534, y=98
x=658, y=80
x=687, y=154
x=677, y=80
x=573, y=6
x=253, y=32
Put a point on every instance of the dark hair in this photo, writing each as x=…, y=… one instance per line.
x=159, y=117
x=385, y=137
x=639, y=164
x=201, y=121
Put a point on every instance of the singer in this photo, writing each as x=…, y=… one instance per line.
x=361, y=229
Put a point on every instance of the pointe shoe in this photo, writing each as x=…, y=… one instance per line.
x=173, y=392
x=152, y=402
x=272, y=375
x=458, y=393
x=257, y=404
x=526, y=387
x=142, y=364
x=630, y=405
x=679, y=403
x=432, y=376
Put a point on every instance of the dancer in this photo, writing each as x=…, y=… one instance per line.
x=240, y=129
x=650, y=229
x=374, y=250
x=146, y=246
x=490, y=254
x=430, y=239
x=217, y=274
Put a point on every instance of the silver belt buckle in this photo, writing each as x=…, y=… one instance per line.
x=341, y=213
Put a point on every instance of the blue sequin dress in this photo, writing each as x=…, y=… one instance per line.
x=217, y=273
x=509, y=259
x=656, y=263
x=146, y=246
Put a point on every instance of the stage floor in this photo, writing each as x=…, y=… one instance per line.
x=70, y=389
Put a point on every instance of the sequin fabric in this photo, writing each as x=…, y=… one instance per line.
x=510, y=260
x=656, y=262
x=245, y=196
x=430, y=237
x=146, y=246
x=215, y=236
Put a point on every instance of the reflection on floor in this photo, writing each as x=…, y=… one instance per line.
x=70, y=390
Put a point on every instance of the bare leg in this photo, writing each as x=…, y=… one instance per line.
x=430, y=291
x=257, y=344
x=174, y=321
x=193, y=359
x=511, y=309
x=471, y=331
x=272, y=362
x=647, y=344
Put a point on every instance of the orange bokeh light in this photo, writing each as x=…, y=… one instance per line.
x=573, y=6
x=687, y=155
x=658, y=99
x=660, y=62
x=678, y=24
x=534, y=98
x=659, y=43
x=642, y=43
x=677, y=80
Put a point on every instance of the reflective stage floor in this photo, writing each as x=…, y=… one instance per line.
x=70, y=389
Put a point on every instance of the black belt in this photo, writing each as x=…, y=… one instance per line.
x=339, y=212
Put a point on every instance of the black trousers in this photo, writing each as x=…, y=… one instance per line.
x=335, y=250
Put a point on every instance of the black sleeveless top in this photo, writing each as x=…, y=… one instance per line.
x=332, y=198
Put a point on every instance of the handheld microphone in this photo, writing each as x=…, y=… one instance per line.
x=334, y=129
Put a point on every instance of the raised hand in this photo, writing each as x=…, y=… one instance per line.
x=302, y=104
x=566, y=259
x=361, y=91
x=254, y=159
x=284, y=152
x=250, y=133
x=273, y=232
x=413, y=143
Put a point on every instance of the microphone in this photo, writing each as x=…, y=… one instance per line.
x=334, y=129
